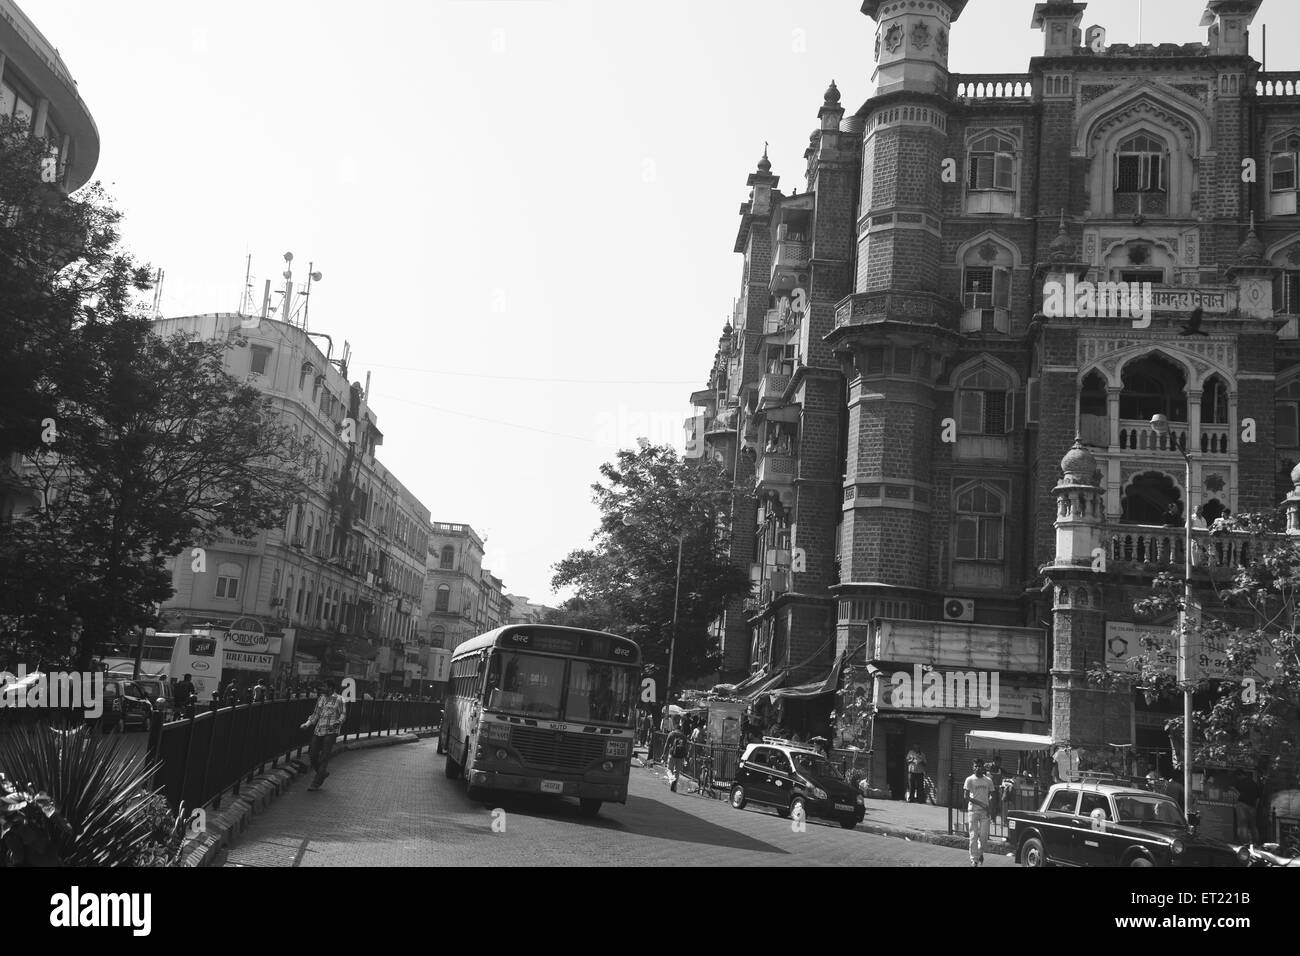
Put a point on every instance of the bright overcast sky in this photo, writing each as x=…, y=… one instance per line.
x=524, y=210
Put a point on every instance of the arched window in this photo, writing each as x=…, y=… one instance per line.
x=986, y=287
x=288, y=595
x=981, y=516
x=1214, y=402
x=228, y=575
x=1153, y=386
x=448, y=560
x=442, y=602
x=1140, y=163
x=438, y=636
x=1152, y=498
x=982, y=399
x=992, y=163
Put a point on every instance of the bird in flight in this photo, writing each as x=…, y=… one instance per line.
x=1194, y=323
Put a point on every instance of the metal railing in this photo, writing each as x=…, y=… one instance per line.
x=221, y=749
x=1020, y=796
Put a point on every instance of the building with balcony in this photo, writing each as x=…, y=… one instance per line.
x=462, y=599
x=39, y=94
x=900, y=384
x=342, y=579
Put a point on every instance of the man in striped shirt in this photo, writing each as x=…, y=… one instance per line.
x=327, y=720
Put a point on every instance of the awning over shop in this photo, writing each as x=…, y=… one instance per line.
x=827, y=685
x=744, y=687
x=771, y=682
x=1002, y=740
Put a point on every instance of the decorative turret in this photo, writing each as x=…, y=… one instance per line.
x=1251, y=251
x=1080, y=510
x=1061, y=250
x=1059, y=20
x=1229, y=25
x=912, y=43
x=762, y=184
x=1292, y=503
x=1254, y=277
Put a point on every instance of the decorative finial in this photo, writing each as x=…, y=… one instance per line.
x=832, y=97
x=764, y=164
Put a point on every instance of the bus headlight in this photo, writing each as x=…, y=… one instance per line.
x=607, y=766
x=616, y=748
x=497, y=733
x=1177, y=847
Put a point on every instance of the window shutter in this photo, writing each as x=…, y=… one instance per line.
x=1288, y=425
x=1004, y=165
x=971, y=412
x=973, y=172
x=967, y=537
x=1001, y=288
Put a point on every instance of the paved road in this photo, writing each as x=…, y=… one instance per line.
x=394, y=807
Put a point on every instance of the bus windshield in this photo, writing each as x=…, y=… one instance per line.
x=533, y=686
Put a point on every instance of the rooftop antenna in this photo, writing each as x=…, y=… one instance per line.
x=288, y=284
x=306, y=293
x=1139, y=21
x=157, y=293
x=246, y=296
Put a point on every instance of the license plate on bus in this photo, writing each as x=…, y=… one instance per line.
x=552, y=786
x=843, y=806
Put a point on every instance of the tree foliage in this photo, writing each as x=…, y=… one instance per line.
x=1251, y=717
x=132, y=446
x=649, y=501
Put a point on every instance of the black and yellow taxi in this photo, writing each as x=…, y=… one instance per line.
x=794, y=779
x=1093, y=823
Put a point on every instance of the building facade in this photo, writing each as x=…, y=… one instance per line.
x=525, y=611
x=337, y=588
x=462, y=599
x=925, y=328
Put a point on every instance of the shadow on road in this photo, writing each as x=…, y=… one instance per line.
x=641, y=816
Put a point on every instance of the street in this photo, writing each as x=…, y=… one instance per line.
x=394, y=807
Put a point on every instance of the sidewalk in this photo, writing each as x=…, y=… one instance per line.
x=918, y=822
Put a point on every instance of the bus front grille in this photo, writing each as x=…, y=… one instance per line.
x=549, y=748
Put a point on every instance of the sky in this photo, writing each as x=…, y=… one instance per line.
x=523, y=211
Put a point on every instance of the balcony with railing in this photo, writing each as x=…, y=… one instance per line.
x=1152, y=549
x=991, y=86
x=772, y=385
x=1278, y=86
x=775, y=468
x=790, y=259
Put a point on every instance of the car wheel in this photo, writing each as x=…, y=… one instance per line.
x=738, y=799
x=798, y=809
x=849, y=823
x=1140, y=860
x=588, y=807
x=1032, y=853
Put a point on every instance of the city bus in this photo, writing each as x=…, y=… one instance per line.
x=543, y=709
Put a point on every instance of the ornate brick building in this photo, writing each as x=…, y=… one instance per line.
x=896, y=387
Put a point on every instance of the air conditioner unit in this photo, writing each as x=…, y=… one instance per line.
x=958, y=609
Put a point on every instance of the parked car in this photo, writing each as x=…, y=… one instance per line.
x=159, y=692
x=1105, y=824
x=126, y=704
x=790, y=778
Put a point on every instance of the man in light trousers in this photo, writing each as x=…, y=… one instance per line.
x=979, y=789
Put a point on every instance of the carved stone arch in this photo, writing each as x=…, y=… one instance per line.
x=985, y=361
x=1017, y=261
x=1196, y=368
x=1149, y=240
x=1081, y=598
x=1013, y=133
x=1163, y=107
x=1288, y=249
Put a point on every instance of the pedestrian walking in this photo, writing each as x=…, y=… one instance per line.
x=1247, y=809
x=675, y=748
x=916, y=775
x=185, y=695
x=259, y=692
x=978, y=788
x=325, y=722
x=995, y=796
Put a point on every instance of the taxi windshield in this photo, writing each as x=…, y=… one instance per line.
x=1132, y=808
x=817, y=765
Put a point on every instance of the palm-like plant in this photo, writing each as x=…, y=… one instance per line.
x=102, y=793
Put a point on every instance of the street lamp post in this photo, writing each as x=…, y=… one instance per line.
x=1160, y=425
x=672, y=641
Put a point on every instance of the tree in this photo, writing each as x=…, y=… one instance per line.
x=649, y=501
x=134, y=447
x=157, y=449
x=60, y=269
x=1249, y=718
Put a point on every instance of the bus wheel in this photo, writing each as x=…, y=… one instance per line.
x=451, y=769
x=588, y=807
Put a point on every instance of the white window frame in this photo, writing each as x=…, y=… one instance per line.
x=223, y=588
x=982, y=521
x=1146, y=181
x=973, y=394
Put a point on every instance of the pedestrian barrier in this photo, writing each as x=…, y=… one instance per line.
x=1019, y=796
x=220, y=749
